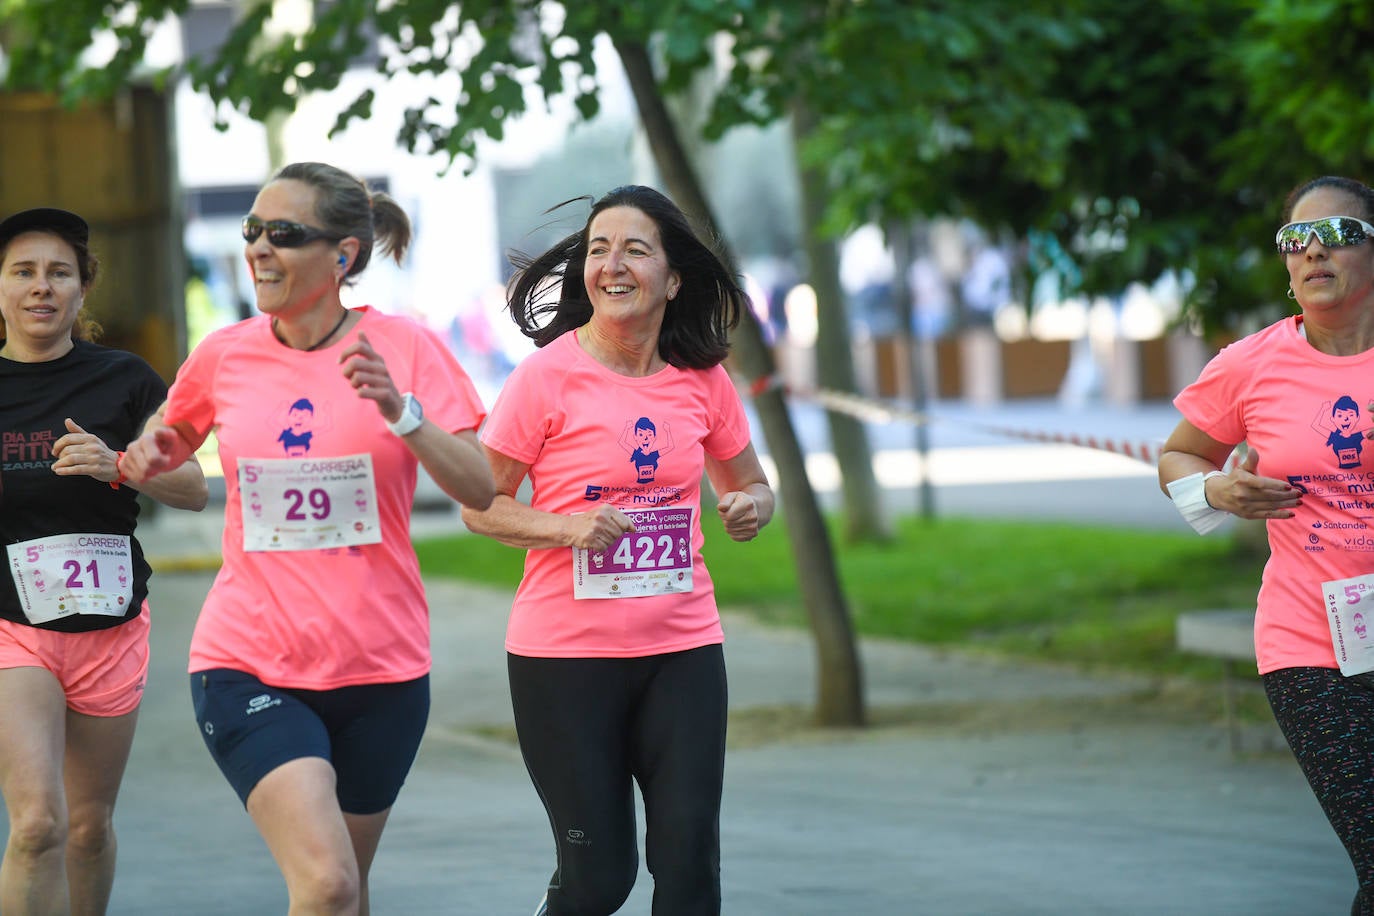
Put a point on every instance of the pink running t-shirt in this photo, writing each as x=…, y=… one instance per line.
x=1305, y=412
x=322, y=618
x=589, y=436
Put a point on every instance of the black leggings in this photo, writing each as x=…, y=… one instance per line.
x=1328, y=721
x=588, y=727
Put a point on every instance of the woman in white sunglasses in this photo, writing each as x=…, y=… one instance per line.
x=1292, y=393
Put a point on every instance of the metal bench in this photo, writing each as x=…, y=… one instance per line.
x=1225, y=634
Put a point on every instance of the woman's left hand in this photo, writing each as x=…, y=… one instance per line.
x=740, y=515
x=80, y=452
x=366, y=371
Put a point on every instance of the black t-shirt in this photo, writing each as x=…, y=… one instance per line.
x=107, y=392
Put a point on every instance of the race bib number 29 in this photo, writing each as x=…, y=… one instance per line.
x=308, y=504
x=654, y=559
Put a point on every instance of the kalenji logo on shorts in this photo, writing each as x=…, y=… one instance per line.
x=261, y=702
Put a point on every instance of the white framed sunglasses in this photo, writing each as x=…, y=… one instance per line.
x=1331, y=231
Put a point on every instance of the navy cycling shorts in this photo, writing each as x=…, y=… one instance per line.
x=369, y=733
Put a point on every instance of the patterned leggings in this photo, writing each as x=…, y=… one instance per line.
x=1328, y=721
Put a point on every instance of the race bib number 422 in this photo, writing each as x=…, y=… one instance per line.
x=654, y=559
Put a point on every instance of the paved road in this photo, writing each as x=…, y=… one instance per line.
x=1093, y=802
x=1000, y=789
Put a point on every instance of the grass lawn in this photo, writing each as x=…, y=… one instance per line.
x=1090, y=596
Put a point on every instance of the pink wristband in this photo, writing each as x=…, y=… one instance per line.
x=114, y=484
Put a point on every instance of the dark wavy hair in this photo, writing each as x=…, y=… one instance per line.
x=698, y=320
x=1356, y=189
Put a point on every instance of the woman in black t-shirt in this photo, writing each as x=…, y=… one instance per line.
x=73, y=611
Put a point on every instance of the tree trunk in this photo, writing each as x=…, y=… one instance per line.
x=839, y=689
x=864, y=520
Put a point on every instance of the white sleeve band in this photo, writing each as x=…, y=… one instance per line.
x=1190, y=496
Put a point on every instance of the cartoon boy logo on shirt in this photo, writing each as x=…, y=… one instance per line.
x=1340, y=425
x=295, y=439
x=641, y=440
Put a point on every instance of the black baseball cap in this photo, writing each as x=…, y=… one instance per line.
x=39, y=218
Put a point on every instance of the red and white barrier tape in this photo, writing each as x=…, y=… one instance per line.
x=882, y=412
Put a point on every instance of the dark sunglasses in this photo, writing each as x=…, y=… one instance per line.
x=1331, y=231
x=282, y=233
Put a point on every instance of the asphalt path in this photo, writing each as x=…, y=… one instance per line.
x=983, y=788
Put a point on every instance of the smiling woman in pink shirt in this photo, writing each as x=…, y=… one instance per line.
x=614, y=643
x=310, y=659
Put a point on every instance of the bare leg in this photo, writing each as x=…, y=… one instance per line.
x=33, y=879
x=365, y=831
x=297, y=813
x=97, y=752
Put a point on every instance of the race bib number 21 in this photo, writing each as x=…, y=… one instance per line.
x=67, y=574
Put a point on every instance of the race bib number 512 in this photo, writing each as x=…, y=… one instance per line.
x=1350, y=614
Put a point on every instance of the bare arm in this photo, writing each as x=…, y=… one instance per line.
x=454, y=460
x=518, y=525
x=1241, y=491
x=159, y=450
x=746, y=500
x=1189, y=451
x=80, y=452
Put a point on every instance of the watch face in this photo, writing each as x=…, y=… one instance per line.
x=411, y=418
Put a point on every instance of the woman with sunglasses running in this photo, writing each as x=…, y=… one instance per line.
x=310, y=659
x=1292, y=393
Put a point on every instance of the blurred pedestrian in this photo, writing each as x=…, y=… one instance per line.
x=614, y=642
x=1310, y=481
x=74, y=616
x=310, y=659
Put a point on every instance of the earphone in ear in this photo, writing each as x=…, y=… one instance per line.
x=343, y=260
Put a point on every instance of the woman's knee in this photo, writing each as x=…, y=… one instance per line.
x=598, y=899
x=326, y=887
x=683, y=848
x=1364, y=902
x=90, y=832
x=36, y=830
x=594, y=887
